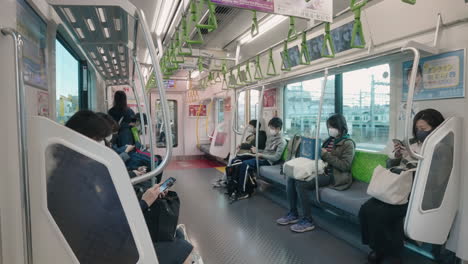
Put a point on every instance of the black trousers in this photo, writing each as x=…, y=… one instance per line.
x=382, y=226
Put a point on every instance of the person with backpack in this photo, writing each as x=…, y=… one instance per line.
x=272, y=153
x=338, y=153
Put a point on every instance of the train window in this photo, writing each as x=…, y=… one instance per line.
x=160, y=134
x=301, y=104
x=366, y=106
x=241, y=110
x=254, y=107
x=67, y=83
x=220, y=110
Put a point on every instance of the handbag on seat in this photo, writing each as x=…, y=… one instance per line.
x=389, y=187
x=302, y=169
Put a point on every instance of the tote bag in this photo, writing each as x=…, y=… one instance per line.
x=390, y=187
x=302, y=169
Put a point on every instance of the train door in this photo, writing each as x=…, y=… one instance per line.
x=175, y=101
x=221, y=143
x=435, y=196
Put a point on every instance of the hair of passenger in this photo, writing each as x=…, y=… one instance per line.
x=408, y=71
x=433, y=118
x=120, y=100
x=137, y=118
x=110, y=121
x=89, y=124
x=338, y=121
x=253, y=123
x=276, y=122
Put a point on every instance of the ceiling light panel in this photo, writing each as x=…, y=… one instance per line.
x=90, y=24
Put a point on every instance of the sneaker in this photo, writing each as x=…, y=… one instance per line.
x=290, y=218
x=219, y=184
x=242, y=196
x=303, y=226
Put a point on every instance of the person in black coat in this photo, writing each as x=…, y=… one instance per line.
x=124, y=116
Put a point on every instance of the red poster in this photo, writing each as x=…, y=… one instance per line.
x=194, y=110
x=269, y=98
x=227, y=104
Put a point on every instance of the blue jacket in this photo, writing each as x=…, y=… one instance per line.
x=124, y=118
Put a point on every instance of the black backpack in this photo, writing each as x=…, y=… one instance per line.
x=232, y=171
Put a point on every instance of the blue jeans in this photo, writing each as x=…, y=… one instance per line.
x=250, y=164
x=302, y=190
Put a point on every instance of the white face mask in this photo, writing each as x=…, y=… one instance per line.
x=333, y=132
x=109, y=138
x=250, y=129
x=273, y=132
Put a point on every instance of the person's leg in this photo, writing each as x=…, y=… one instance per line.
x=303, y=189
x=242, y=176
x=292, y=217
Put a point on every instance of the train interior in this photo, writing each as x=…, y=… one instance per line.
x=197, y=72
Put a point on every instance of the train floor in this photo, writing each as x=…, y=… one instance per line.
x=245, y=232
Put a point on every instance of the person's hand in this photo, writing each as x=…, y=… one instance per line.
x=253, y=149
x=138, y=173
x=399, y=150
x=163, y=194
x=324, y=150
x=151, y=195
x=129, y=148
x=142, y=169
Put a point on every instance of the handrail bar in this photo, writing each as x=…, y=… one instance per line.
x=165, y=106
x=257, y=126
x=23, y=143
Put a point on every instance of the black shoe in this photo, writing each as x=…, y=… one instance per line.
x=243, y=196
x=374, y=258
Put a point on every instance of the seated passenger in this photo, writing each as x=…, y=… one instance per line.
x=123, y=115
x=338, y=153
x=382, y=223
x=250, y=140
x=272, y=153
x=97, y=128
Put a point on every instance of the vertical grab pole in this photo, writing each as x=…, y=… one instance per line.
x=409, y=100
x=147, y=110
x=317, y=134
x=259, y=114
x=164, y=104
x=23, y=143
x=143, y=127
x=107, y=98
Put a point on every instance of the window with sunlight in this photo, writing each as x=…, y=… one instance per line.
x=67, y=76
x=241, y=111
x=301, y=106
x=254, y=107
x=220, y=109
x=366, y=106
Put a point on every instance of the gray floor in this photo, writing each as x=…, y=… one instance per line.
x=245, y=232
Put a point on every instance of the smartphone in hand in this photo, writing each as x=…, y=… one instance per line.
x=167, y=184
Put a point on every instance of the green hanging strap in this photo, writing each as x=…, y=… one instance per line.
x=177, y=58
x=232, y=80
x=357, y=27
x=218, y=78
x=224, y=68
x=271, y=64
x=258, y=75
x=239, y=77
x=194, y=18
x=248, y=73
x=285, y=59
x=200, y=64
x=328, y=49
x=180, y=51
x=254, y=30
x=212, y=21
x=411, y=2
x=173, y=59
x=292, y=33
x=305, y=55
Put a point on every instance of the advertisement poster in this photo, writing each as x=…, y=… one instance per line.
x=227, y=104
x=269, y=98
x=439, y=77
x=195, y=111
x=43, y=103
x=34, y=32
x=312, y=9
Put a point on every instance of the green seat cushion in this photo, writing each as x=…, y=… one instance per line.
x=364, y=164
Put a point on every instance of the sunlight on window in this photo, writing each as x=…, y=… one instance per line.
x=301, y=106
x=241, y=110
x=366, y=106
x=67, y=72
x=254, y=107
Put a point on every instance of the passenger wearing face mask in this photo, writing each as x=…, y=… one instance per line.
x=382, y=223
x=274, y=148
x=338, y=153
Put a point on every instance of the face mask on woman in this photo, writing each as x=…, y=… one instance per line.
x=250, y=129
x=333, y=132
x=422, y=135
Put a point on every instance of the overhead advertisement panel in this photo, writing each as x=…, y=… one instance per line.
x=313, y=9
